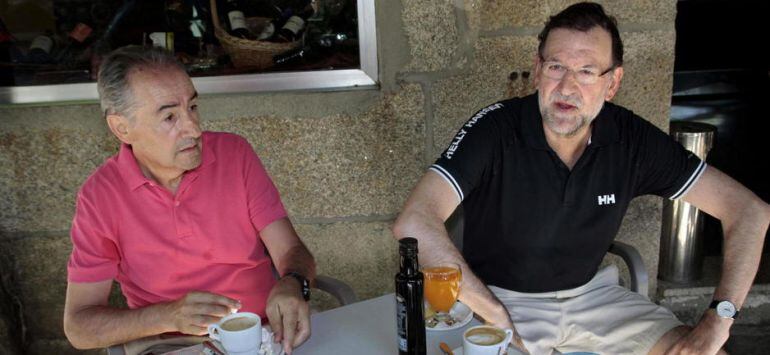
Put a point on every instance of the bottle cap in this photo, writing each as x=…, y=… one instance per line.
x=408, y=245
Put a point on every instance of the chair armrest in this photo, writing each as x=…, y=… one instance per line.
x=116, y=350
x=639, y=277
x=340, y=290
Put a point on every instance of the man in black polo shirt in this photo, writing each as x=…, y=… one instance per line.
x=545, y=181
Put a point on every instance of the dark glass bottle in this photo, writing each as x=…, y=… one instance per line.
x=277, y=15
x=410, y=321
x=315, y=49
x=75, y=44
x=295, y=24
x=40, y=49
x=236, y=19
x=201, y=20
x=179, y=16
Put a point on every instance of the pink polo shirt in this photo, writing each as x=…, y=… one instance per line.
x=159, y=246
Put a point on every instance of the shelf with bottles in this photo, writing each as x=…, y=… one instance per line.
x=69, y=47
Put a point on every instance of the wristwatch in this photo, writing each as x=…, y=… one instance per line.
x=725, y=309
x=304, y=283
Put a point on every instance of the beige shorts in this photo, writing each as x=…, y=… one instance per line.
x=600, y=317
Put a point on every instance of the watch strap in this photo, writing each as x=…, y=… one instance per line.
x=303, y=282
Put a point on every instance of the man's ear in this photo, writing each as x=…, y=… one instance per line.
x=617, y=76
x=120, y=127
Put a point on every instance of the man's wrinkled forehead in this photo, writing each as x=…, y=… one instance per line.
x=594, y=42
x=159, y=83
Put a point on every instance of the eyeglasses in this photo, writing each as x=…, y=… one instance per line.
x=584, y=76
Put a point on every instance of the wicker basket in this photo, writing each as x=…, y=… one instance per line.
x=248, y=53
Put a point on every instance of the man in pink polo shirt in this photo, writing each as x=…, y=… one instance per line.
x=182, y=219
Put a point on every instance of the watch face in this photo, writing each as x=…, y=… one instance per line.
x=726, y=309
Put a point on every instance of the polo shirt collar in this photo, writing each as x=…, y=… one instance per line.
x=129, y=168
x=604, y=129
x=132, y=174
x=532, y=124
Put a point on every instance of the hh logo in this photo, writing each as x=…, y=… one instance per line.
x=606, y=199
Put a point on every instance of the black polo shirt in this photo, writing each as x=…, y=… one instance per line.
x=531, y=224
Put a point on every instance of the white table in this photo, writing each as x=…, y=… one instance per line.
x=367, y=327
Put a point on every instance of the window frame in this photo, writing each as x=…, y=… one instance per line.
x=367, y=76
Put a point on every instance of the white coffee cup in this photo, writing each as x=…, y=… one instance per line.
x=238, y=332
x=486, y=340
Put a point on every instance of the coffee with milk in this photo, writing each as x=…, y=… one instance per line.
x=485, y=336
x=486, y=340
x=239, y=323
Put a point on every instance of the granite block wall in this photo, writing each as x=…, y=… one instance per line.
x=344, y=161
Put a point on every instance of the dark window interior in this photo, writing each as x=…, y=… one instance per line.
x=722, y=77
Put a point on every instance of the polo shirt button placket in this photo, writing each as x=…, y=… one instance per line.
x=182, y=225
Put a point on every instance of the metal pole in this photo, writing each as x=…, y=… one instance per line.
x=681, y=245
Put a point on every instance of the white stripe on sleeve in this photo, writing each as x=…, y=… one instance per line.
x=691, y=181
x=450, y=179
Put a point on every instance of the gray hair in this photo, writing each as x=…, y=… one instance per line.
x=113, y=83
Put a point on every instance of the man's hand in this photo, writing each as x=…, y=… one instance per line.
x=501, y=319
x=504, y=322
x=288, y=313
x=706, y=338
x=489, y=308
x=517, y=342
x=193, y=313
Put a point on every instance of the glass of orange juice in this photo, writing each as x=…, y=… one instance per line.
x=442, y=286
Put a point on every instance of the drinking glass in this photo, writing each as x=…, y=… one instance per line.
x=442, y=286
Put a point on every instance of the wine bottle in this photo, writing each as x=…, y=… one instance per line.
x=178, y=15
x=200, y=22
x=269, y=9
x=315, y=49
x=74, y=44
x=40, y=49
x=236, y=20
x=292, y=29
x=179, y=21
x=410, y=321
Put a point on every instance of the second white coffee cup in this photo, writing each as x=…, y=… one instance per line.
x=486, y=340
x=238, y=333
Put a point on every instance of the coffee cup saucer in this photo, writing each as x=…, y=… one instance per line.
x=460, y=312
x=511, y=351
x=267, y=335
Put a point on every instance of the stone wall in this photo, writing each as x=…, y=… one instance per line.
x=344, y=161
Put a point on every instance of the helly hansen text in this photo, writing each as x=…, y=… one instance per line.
x=481, y=114
x=606, y=199
x=461, y=134
x=455, y=143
